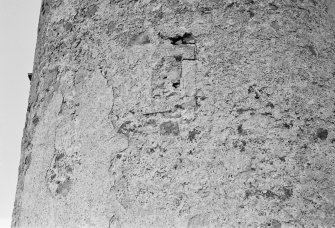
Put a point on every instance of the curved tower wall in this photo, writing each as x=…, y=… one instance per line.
x=181, y=113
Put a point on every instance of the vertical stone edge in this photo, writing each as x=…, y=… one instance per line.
x=25, y=156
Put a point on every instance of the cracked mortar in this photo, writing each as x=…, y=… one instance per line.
x=182, y=113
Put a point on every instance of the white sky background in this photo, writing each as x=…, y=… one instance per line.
x=18, y=33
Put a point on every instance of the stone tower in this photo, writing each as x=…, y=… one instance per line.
x=180, y=113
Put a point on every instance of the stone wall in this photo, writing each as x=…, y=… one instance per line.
x=180, y=113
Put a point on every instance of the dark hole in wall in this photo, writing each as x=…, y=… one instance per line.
x=187, y=38
x=176, y=84
x=178, y=58
x=176, y=40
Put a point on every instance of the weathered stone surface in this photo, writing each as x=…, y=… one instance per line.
x=181, y=113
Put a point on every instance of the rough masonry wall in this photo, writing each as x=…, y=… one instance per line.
x=180, y=113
